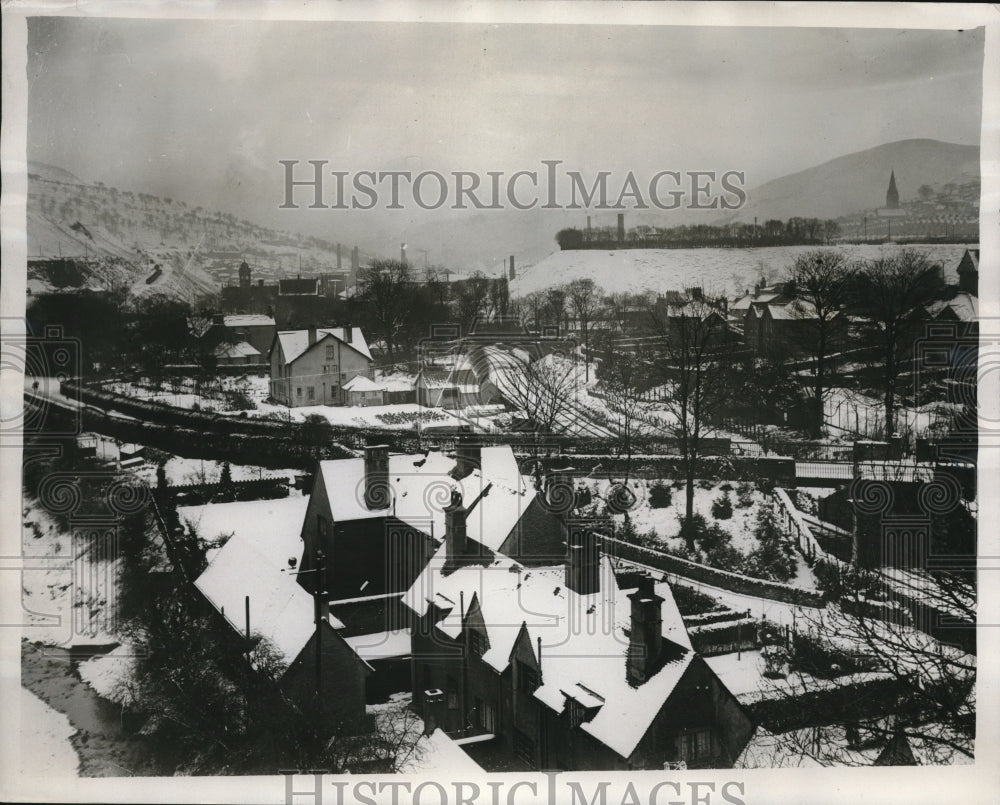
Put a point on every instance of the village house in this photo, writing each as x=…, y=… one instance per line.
x=556, y=667
x=378, y=519
x=453, y=386
x=234, y=338
x=311, y=366
x=251, y=585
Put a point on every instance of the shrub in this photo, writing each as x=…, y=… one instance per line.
x=744, y=495
x=722, y=506
x=660, y=496
x=693, y=602
x=705, y=483
x=773, y=559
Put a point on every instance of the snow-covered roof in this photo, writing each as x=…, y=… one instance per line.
x=254, y=562
x=963, y=305
x=362, y=383
x=421, y=488
x=584, y=640
x=437, y=753
x=248, y=320
x=272, y=527
x=280, y=609
x=240, y=350
x=295, y=342
x=381, y=645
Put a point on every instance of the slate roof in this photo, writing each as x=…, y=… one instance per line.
x=421, y=487
x=295, y=342
x=584, y=639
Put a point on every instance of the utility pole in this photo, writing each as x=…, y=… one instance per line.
x=318, y=593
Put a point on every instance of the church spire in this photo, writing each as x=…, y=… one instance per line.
x=892, y=194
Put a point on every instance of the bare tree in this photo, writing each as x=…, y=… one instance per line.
x=891, y=293
x=384, y=297
x=585, y=302
x=624, y=376
x=543, y=388
x=471, y=298
x=693, y=356
x=820, y=279
x=906, y=685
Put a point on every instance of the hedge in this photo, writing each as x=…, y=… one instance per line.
x=735, y=582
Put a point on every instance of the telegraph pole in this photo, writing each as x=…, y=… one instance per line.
x=318, y=592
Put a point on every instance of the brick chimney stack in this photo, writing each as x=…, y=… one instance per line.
x=377, y=493
x=312, y=334
x=468, y=456
x=456, y=537
x=583, y=561
x=646, y=627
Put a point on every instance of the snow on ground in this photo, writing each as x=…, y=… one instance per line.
x=716, y=270
x=107, y=673
x=180, y=393
x=44, y=740
x=182, y=471
x=65, y=602
x=666, y=521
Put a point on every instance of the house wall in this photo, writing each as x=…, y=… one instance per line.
x=280, y=379
x=385, y=552
x=323, y=375
x=365, y=398
x=343, y=682
x=699, y=701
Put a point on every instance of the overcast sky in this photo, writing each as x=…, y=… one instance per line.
x=203, y=110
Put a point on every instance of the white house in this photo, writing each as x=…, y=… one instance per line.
x=311, y=366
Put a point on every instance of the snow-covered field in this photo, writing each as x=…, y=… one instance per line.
x=394, y=417
x=727, y=271
x=665, y=522
x=44, y=740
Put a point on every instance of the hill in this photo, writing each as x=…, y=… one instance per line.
x=116, y=238
x=856, y=182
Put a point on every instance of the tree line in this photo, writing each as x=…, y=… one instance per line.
x=795, y=231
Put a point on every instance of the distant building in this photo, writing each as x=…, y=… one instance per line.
x=968, y=272
x=455, y=386
x=892, y=194
x=311, y=366
x=361, y=390
x=216, y=334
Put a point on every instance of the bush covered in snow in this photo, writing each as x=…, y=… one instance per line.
x=744, y=495
x=722, y=506
x=660, y=496
x=774, y=558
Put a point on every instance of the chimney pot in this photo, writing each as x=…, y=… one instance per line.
x=455, y=531
x=583, y=562
x=377, y=493
x=646, y=632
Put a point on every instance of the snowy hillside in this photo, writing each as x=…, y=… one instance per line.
x=119, y=236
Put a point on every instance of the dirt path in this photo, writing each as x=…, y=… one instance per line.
x=105, y=749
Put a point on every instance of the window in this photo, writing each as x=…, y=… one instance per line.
x=477, y=645
x=694, y=744
x=321, y=526
x=298, y=391
x=488, y=720
x=331, y=352
x=527, y=678
x=311, y=393
x=452, y=690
